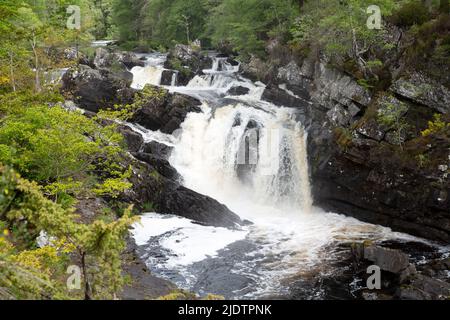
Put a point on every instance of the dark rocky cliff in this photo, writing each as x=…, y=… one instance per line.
x=388, y=172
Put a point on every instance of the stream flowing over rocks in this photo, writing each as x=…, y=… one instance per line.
x=255, y=190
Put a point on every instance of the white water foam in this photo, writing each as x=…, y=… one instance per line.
x=184, y=235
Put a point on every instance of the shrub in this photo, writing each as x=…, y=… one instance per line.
x=436, y=125
x=411, y=13
x=64, y=151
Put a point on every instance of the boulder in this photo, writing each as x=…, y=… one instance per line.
x=130, y=60
x=160, y=164
x=94, y=90
x=257, y=70
x=238, y=91
x=390, y=260
x=106, y=59
x=165, y=112
x=103, y=59
x=424, y=288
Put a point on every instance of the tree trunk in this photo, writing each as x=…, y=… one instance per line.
x=37, y=80
x=87, y=285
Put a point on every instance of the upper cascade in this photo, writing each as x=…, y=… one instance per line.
x=239, y=143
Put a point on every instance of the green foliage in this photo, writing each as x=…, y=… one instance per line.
x=343, y=137
x=422, y=160
x=118, y=112
x=430, y=52
x=160, y=22
x=185, y=295
x=98, y=245
x=150, y=95
x=61, y=149
x=179, y=295
x=114, y=187
x=31, y=32
x=177, y=65
x=436, y=125
x=392, y=116
x=247, y=24
x=339, y=27
x=365, y=84
x=411, y=13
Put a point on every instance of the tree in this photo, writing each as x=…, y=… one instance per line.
x=97, y=246
x=31, y=28
x=123, y=17
x=8, y=9
x=247, y=24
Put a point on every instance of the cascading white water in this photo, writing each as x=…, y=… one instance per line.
x=251, y=156
x=212, y=150
x=248, y=135
x=151, y=73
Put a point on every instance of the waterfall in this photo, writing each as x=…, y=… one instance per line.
x=248, y=149
x=151, y=73
x=247, y=153
x=174, y=80
x=220, y=77
x=251, y=156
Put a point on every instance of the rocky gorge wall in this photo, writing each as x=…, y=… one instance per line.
x=384, y=172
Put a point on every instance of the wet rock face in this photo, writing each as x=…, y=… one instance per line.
x=362, y=165
x=168, y=76
x=156, y=148
x=144, y=284
x=282, y=98
x=379, y=191
x=375, y=173
x=389, y=260
x=166, y=113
